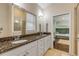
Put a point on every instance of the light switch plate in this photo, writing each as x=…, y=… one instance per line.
x=1, y=29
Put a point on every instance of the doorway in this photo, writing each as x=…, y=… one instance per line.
x=62, y=31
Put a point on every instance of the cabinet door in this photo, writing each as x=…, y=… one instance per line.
x=31, y=52
x=41, y=47
x=47, y=43
x=40, y=51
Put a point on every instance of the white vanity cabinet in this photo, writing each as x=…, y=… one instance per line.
x=32, y=51
x=15, y=52
x=28, y=49
x=35, y=48
x=47, y=43
x=43, y=45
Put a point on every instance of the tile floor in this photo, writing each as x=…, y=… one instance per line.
x=56, y=52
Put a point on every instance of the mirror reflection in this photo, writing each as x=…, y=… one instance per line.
x=15, y=20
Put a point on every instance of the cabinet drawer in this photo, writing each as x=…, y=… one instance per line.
x=41, y=43
x=33, y=43
x=29, y=45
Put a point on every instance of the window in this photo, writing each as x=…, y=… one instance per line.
x=30, y=23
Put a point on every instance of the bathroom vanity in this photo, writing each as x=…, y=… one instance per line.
x=33, y=45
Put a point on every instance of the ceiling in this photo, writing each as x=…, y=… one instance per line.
x=44, y=5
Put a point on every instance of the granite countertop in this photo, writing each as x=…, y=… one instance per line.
x=7, y=45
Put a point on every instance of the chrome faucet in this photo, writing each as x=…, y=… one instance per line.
x=40, y=33
x=16, y=37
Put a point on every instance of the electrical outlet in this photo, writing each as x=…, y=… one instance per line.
x=1, y=29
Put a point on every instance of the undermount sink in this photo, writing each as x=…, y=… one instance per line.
x=18, y=41
x=44, y=34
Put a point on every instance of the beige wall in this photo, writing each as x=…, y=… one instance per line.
x=78, y=20
x=4, y=20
